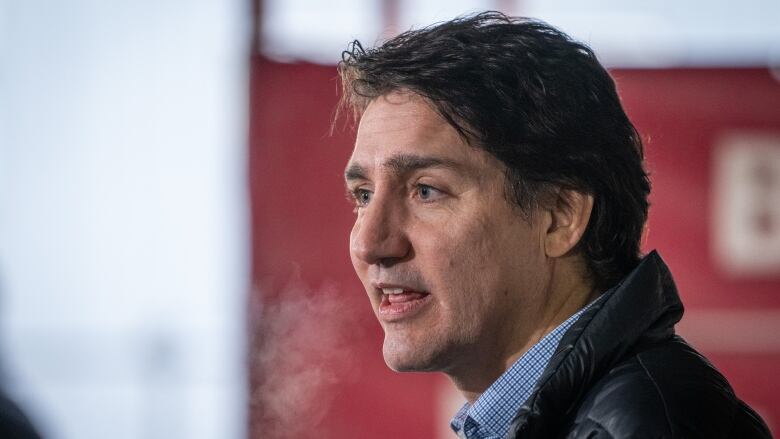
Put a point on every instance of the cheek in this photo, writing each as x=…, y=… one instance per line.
x=480, y=259
x=463, y=257
x=472, y=244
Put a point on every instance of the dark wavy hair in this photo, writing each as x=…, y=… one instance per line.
x=535, y=99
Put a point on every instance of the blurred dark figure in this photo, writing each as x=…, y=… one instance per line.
x=13, y=422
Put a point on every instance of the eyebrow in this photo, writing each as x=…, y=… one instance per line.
x=401, y=164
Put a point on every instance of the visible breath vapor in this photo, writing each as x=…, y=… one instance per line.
x=304, y=347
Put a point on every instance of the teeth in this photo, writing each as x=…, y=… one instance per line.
x=392, y=290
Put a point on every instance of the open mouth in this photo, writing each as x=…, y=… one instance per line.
x=399, y=303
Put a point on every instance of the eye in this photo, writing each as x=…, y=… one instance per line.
x=428, y=193
x=362, y=196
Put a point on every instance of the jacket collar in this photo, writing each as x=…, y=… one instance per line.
x=643, y=308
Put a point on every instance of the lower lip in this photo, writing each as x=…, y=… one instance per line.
x=392, y=312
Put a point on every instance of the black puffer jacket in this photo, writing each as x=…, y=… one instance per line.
x=621, y=372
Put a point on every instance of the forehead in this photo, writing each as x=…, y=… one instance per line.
x=403, y=123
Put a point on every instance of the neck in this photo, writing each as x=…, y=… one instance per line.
x=566, y=293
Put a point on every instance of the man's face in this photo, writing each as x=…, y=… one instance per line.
x=448, y=263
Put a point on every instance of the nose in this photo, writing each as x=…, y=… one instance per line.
x=379, y=236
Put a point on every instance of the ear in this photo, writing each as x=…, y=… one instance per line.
x=569, y=216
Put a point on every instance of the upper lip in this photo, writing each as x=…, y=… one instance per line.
x=379, y=286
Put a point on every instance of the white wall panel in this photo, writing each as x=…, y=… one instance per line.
x=123, y=231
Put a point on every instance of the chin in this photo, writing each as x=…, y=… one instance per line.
x=406, y=365
x=408, y=359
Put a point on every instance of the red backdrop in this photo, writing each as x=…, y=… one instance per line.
x=317, y=369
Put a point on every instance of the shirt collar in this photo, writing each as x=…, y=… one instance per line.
x=492, y=414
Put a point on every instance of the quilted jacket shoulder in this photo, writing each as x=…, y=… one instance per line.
x=621, y=372
x=667, y=391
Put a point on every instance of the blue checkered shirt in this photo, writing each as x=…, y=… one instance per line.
x=492, y=414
